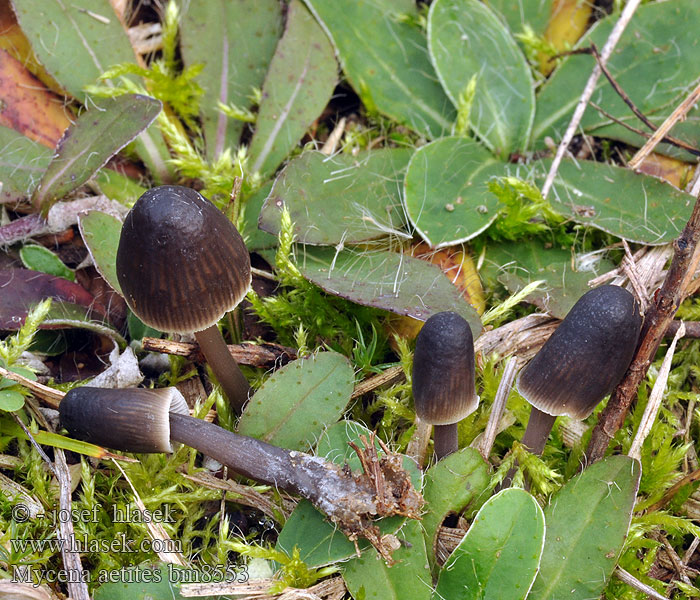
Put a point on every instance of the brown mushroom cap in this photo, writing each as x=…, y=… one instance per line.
x=134, y=420
x=444, y=389
x=181, y=263
x=586, y=356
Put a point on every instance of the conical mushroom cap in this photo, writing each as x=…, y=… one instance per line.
x=586, y=356
x=444, y=390
x=181, y=263
x=131, y=420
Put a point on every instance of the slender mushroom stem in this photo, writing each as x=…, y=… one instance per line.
x=538, y=427
x=248, y=456
x=445, y=439
x=229, y=374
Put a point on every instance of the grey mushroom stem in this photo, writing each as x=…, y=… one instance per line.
x=537, y=432
x=233, y=383
x=445, y=440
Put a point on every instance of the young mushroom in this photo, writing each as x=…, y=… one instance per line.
x=581, y=362
x=138, y=420
x=182, y=265
x=444, y=390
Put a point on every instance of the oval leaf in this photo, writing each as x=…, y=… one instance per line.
x=499, y=556
x=587, y=522
x=394, y=78
x=466, y=40
x=446, y=191
x=368, y=576
x=11, y=400
x=234, y=41
x=516, y=264
x=101, y=233
x=387, y=280
x=96, y=136
x=299, y=84
x=658, y=45
x=320, y=388
x=341, y=198
x=626, y=204
x=38, y=258
x=450, y=486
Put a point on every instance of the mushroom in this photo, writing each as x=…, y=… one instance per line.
x=444, y=392
x=581, y=362
x=138, y=420
x=182, y=265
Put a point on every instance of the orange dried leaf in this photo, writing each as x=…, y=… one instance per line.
x=13, y=40
x=27, y=106
x=675, y=171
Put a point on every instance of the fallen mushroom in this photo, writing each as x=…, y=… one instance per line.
x=581, y=362
x=138, y=420
x=444, y=392
x=182, y=265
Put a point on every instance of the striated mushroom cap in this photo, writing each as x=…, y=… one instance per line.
x=444, y=390
x=181, y=263
x=586, y=356
x=130, y=420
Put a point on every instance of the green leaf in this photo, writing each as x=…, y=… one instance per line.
x=299, y=84
x=587, y=522
x=446, y=190
x=11, y=400
x=297, y=402
x=100, y=233
x=341, y=198
x=534, y=13
x=396, y=78
x=138, y=329
x=96, y=136
x=450, y=486
x=388, y=280
x=118, y=187
x=466, y=39
x=235, y=42
x=499, y=556
x=626, y=204
x=38, y=258
x=659, y=45
x=368, y=576
x=76, y=41
x=319, y=542
x=257, y=239
x=22, y=165
x=516, y=264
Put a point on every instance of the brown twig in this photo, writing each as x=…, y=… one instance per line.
x=263, y=355
x=673, y=490
x=656, y=323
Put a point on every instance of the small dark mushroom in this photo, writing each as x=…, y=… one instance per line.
x=444, y=389
x=581, y=362
x=182, y=265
